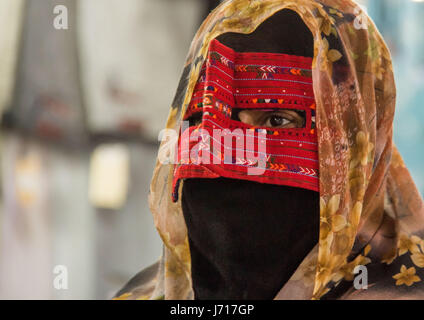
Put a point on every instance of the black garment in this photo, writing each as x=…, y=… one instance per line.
x=247, y=238
x=284, y=32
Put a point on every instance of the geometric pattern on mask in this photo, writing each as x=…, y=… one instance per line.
x=230, y=80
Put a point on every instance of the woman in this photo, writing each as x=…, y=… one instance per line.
x=229, y=234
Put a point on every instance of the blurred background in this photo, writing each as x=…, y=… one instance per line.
x=85, y=88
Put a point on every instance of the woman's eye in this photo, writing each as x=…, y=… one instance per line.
x=277, y=121
x=282, y=118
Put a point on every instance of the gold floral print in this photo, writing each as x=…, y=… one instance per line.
x=327, y=25
x=330, y=56
x=406, y=276
x=410, y=244
x=418, y=259
x=237, y=7
x=347, y=271
x=336, y=12
x=327, y=263
x=362, y=152
x=373, y=52
x=357, y=179
x=330, y=221
x=415, y=245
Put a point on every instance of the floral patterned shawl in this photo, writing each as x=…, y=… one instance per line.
x=371, y=212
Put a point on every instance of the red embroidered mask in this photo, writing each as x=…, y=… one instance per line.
x=220, y=145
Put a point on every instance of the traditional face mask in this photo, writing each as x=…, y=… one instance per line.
x=220, y=146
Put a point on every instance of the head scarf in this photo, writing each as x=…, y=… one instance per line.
x=370, y=210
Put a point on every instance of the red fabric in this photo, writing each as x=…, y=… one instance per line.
x=232, y=80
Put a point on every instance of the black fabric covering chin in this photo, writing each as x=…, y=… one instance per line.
x=246, y=238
